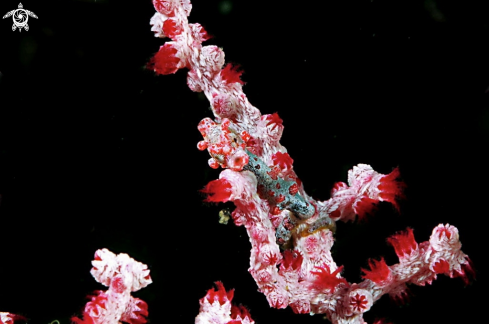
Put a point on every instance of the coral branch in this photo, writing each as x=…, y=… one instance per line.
x=291, y=234
x=122, y=275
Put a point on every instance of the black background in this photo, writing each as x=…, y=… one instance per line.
x=96, y=151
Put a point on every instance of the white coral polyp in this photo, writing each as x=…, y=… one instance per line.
x=193, y=81
x=187, y=6
x=212, y=58
x=446, y=247
x=365, y=179
x=445, y=237
x=156, y=23
x=104, y=266
x=224, y=106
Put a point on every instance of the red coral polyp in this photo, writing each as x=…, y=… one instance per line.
x=165, y=61
x=93, y=309
x=292, y=260
x=239, y=311
x=403, y=243
x=137, y=313
x=441, y=266
x=326, y=280
x=391, y=188
x=231, y=74
x=379, y=271
x=220, y=295
x=171, y=29
x=364, y=206
x=275, y=120
x=283, y=160
x=218, y=191
x=466, y=272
